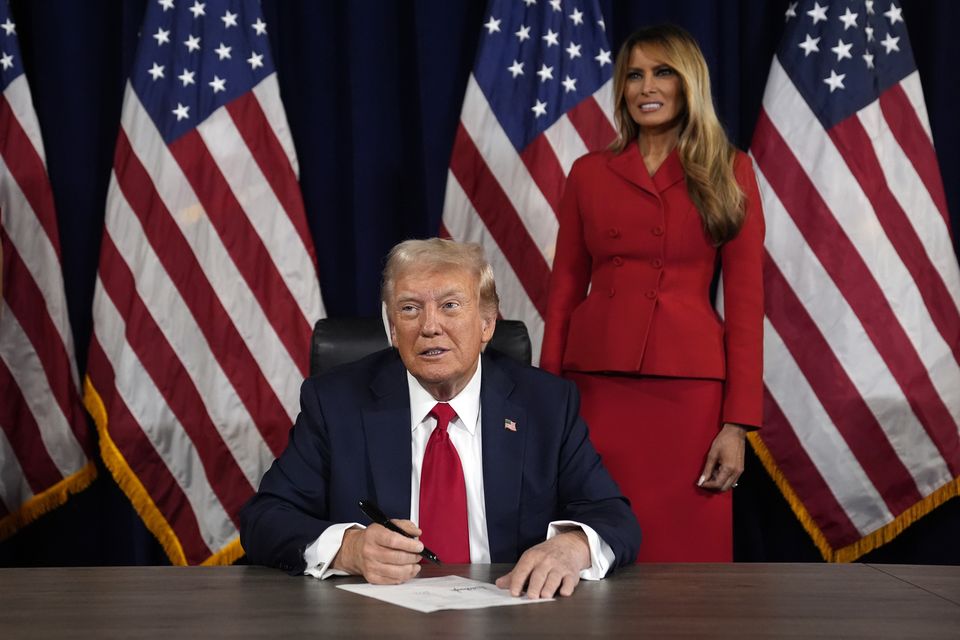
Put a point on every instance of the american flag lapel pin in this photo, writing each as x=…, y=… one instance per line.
x=509, y=425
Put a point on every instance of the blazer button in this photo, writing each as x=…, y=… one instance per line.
x=613, y=232
x=657, y=230
x=652, y=294
x=617, y=261
x=656, y=263
x=612, y=292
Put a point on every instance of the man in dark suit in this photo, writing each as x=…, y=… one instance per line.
x=509, y=472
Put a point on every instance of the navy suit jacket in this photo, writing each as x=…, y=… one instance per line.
x=352, y=440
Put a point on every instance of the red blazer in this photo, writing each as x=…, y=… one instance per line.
x=638, y=242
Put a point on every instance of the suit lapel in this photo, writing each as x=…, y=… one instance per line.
x=386, y=423
x=629, y=165
x=669, y=173
x=502, y=460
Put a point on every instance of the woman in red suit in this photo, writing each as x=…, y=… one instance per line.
x=669, y=389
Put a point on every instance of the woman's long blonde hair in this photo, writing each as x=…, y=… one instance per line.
x=705, y=152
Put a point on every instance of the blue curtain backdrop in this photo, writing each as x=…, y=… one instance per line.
x=373, y=91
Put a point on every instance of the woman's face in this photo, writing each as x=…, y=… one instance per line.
x=653, y=91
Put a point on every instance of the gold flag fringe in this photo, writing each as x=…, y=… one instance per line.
x=47, y=500
x=872, y=540
x=137, y=493
x=228, y=555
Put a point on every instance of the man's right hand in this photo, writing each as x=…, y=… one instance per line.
x=380, y=555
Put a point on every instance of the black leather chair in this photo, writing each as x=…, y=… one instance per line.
x=340, y=340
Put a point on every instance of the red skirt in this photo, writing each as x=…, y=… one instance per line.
x=653, y=435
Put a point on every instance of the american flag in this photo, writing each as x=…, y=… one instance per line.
x=862, y=330
x=207, y=288
x=44, y=437
x=539, y=98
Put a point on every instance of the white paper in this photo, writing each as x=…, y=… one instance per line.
x=434, y=594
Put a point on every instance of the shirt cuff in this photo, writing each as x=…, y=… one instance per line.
x=601, y=555
x=320, y=554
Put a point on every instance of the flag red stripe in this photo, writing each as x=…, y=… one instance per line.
x=852, y=140
x=592, y=125
x=26, y=302
x=143, y=459
x=23, y=433
x=793, y=462
x=172, y=381
x=851, y=275
x=183, y=268
x=909, y=133
x=27, y=168
x=545, y=169
x=500, y=218
x=245, y=246
x=837, y=393
x=269, y=155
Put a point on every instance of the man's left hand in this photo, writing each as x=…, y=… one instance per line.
x=549, y=566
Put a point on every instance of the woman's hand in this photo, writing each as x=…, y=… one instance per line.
x=725, y=459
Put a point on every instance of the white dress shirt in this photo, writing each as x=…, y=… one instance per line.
x=465, y=434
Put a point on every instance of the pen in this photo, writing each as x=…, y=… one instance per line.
x=373, y=512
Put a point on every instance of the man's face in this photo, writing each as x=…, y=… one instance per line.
x=437, y=326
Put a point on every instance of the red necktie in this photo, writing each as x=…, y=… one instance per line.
x=443, y=495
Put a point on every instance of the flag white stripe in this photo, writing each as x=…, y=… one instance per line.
x=908, y=189
x=18, y=97
x=27, y=371
x=840, y=191
x=231, y=289
x=184, y=336
x=263, y=210
x=911, y=86
x=37, y=252
x=267, y=93
x=533, y=210
x=463, y=223
x=14, y=488
x=850, y=345
x=151, y=412
x=827, y=449
x=604, y=98
x=566, y=142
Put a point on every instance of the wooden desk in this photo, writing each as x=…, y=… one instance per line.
x=652, y=601
x=942, y=581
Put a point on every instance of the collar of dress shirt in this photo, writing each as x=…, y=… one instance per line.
x=466, y=403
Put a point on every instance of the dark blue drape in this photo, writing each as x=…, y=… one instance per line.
x=373, y=92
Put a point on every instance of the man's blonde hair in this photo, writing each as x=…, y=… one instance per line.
x=439, y=253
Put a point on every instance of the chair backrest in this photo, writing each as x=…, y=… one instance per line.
x=337, y=341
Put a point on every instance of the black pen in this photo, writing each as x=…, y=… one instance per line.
x=373, y=512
